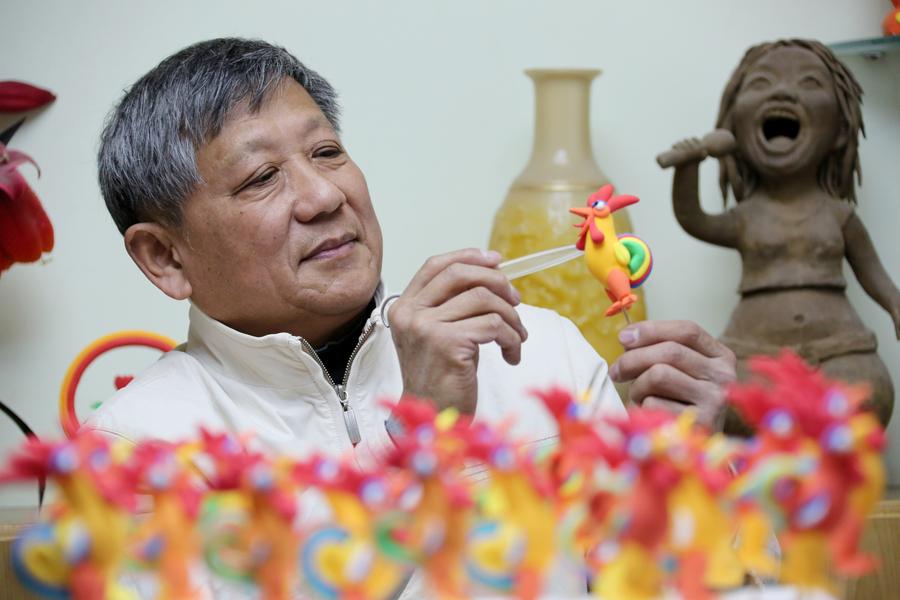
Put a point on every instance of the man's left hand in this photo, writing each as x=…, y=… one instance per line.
x=674, y=365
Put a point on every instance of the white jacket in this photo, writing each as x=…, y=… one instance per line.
x=275, y=387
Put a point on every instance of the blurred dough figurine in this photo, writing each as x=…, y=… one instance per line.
x=794, y=111
x=431, y=528
x=340, y=560
x=513, y=544
x=167, y=539
x=268, y=541
x=891, y=24
x=641, y=513
x=823, y=508
x=620, y=262
x=78, y=553
x=701, y=530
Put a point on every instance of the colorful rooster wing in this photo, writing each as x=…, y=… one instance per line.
x=621, y=262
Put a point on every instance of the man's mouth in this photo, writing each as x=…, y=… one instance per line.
x=332, y=247
x=780, y=129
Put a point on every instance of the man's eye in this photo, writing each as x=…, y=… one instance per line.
x=263, y=179
x=329, y=152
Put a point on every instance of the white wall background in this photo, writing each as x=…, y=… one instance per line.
x=438, y=114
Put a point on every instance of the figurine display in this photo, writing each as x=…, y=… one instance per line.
x=794, y=112
x=645, y=505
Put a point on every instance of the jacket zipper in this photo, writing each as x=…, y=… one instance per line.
x=350, y=421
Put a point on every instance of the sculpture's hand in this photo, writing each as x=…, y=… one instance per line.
x=693, y=150
x=454, y=303
x=676, y=365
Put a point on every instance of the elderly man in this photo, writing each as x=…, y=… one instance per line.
x=224, y=169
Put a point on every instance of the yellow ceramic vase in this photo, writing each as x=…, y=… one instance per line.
x=535, y=215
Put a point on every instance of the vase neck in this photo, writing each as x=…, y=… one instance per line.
x=562, y=142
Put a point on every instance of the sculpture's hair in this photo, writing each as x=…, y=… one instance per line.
x=147, y=158
x=836, y=173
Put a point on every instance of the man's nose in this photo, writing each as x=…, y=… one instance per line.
x=315, y=193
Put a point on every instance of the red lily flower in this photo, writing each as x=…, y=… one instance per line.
x=25, y=230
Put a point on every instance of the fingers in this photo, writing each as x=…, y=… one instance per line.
x=458, y=277
x=686, y=333
x=480, y=301
x=675, y=361
x=476, y=316
x=436, y=264
x=667, y=382
x=492, y=327
x=667, y=388
x=683, y=358
x=671, y=406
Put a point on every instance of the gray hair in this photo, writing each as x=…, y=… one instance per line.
x=147, y=157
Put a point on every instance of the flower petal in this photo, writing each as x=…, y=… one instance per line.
x=17, y=96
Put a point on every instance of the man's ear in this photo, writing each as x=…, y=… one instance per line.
x=152, y=248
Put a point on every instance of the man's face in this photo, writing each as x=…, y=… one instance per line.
x=786, y=114
x=281, y=234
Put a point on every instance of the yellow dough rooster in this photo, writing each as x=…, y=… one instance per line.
x=621, y=262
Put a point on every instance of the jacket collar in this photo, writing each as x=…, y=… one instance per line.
x=278, y=360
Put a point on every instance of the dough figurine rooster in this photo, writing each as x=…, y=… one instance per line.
x=823, y=509
x=513, y=545
x=340, y=559
x=891, y=23
x=432, y=526
x=621, y=262
x=77, y=553
x=268, y=543
x=167, y=539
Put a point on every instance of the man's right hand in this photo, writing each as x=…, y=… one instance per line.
x=454, y=303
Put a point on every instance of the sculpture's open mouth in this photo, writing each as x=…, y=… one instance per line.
x=781, y=126
x=780, y=130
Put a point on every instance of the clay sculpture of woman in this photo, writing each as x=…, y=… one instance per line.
x=794, y=112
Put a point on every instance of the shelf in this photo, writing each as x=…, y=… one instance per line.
x=871, y=48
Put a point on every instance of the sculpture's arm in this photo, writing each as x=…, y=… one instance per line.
x=867, y=267
x=721, y=229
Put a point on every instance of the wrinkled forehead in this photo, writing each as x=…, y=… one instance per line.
x=287, y=110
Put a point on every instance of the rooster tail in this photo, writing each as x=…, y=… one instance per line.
x=640, y=263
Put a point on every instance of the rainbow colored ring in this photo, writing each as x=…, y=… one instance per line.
x=67, y=417
x=641, y=264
